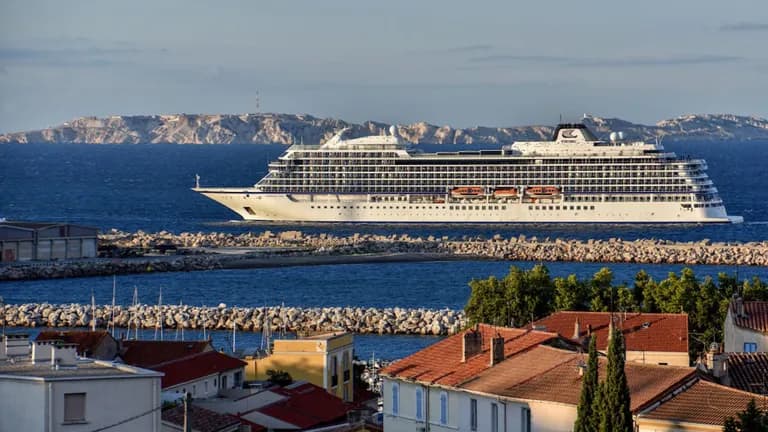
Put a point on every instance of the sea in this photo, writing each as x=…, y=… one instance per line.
x=148, y=187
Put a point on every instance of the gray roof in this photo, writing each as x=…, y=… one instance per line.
x=86, y=369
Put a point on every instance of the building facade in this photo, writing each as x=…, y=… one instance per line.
x=30, y=241
x=53, y=390
x=324, y=360
x=746, y=326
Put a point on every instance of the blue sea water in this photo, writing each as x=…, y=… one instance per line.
x=147, y=187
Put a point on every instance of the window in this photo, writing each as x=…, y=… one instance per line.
x=494, y=417
x=238, y=379
x=419, y=404
x=750, y=347
x=194, y=390
x=205, y=386
x=74, y=407
x=395, y=399
x=525, y=419
x=224, y=381
x=443, y=408
x=473, y=414
x=334, y=372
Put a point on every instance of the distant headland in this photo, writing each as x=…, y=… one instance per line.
x=287, y=129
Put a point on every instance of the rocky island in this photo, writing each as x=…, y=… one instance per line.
x=296, y=128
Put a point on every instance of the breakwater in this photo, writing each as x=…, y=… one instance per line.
x=293, y=319
x=209, y=251
x=519, y=248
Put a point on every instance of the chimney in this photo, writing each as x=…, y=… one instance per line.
x=715, y=360
x=15, y=345
x=472, y=344
x=42, y=351
x=589, y=329
x=497, y=349
x=64, y=355
x=610, y=327
x=577, y=329
x=739, y=307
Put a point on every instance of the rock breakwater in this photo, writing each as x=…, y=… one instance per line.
x=294, y=319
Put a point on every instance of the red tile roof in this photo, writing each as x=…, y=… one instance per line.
x=550, y=374
x=441, y=363
x=704, y=403
x=196, y=366
x=642, y=331
x=748, y=371
x=146, y=354
x=87, y=341
x=755, y=316
x=306, y=406
x=203, y=420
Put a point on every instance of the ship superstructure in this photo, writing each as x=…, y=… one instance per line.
x=575, y=177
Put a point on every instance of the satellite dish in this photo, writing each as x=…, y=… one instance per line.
x=614, y=136
x=621, y=135
x=393, y=130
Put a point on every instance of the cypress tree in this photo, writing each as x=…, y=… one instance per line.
x=585, y=419
x=615, y=413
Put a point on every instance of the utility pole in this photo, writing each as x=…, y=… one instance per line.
x=187, y=421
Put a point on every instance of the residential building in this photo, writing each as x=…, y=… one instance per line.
x=51, y=389
x=495, y=379
x=699, y=407
x=203, y=375
x=746, y=326
x=201, y=419
x=147, y=353
x=297, y=406
x=323, y=359
x=650, y=338
x=26, y=241
x=743, y=371
x=97, y=345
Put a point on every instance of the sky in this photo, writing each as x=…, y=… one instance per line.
x=489, y=63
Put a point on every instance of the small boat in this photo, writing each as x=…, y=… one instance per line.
x=542, y=191
x=467, y=191
x=505, y=192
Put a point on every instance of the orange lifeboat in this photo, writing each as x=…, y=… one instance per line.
x=542, y=191
x=505, y=193
x=467, y=191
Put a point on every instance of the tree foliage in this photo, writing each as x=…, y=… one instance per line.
x=752, y=419
x=615, y=415
x=279, y=377
x=587, y=420
x=526, y=295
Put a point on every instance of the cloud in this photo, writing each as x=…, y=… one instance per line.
x=64, y=57
x=501, y=60
x=462, y=49
x=744, y=26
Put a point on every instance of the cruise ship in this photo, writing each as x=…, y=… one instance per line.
x=573, y=178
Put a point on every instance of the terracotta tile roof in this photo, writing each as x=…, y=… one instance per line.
x=196, y=366
x=203, y=420
x=441, y=363
x=562, y=383
x=642, y=331
x=146, y=354
x=748, y=371
x=87, y=341
x=306, y=406
x=755, y=316
x=704, y=403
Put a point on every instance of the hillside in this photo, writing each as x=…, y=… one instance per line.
x=294, y=128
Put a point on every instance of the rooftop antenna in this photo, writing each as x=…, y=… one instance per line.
x=93, y=311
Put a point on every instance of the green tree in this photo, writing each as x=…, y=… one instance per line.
x=625, y=300
x=615, y=413
x=586, y=420
x=570, y=293
x=486, y=303
x=279, y=377
x=601, y=290
x=752, y=419
x=754, y=290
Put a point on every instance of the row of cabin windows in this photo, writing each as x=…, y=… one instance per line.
x=525, y=425
x=531, y=207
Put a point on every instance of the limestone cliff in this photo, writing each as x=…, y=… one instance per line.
x=295, y=128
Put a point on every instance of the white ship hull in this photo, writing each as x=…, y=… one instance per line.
x=257, y=206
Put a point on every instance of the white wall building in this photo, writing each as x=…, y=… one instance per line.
x=52, y=390
x=746, y=326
